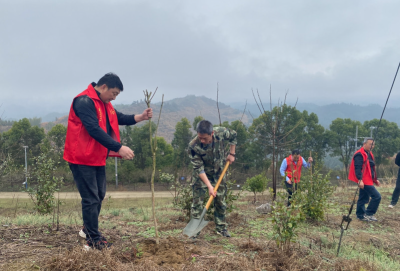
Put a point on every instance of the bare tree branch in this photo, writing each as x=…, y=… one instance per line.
x=250, y=114
x=244, y=110
x=259, y=98
x=219, y=115
x=259, y=108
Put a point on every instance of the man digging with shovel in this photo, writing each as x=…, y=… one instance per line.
x=207, y=154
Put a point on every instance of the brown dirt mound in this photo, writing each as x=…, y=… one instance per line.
x=170, y=252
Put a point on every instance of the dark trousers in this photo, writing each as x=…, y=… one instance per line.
x=396, y=192
x=91, y=183
x=368, y=192
x=290, y=190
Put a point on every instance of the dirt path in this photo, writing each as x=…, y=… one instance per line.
x=75, y=195
x=113, y=194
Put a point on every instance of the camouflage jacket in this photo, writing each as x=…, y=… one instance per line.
x=211, y=158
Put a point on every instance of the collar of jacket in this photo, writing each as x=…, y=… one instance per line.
x=94, y=94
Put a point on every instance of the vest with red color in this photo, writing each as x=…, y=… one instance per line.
x=294, y=170
x=367, y=177
x=80, y=147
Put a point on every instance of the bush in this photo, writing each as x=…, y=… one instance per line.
x=44, y=184
x=183, y=196
x=285, y=220
x=317, y=190
x=256, y=184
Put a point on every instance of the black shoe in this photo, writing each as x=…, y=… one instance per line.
x=97, y=245
x=224, y=233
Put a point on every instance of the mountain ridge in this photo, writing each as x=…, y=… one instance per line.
x=174, y=110
x=191, y=106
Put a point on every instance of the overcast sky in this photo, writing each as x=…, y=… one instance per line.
x=321, y=51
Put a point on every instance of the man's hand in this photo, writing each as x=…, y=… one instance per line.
x=289, y=181
x=126, y=153
x=310, y=159
x=147, y=113
x=230, y=158
x=211, y=191
x=378, y=183
x=361, y=184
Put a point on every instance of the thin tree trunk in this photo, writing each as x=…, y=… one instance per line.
x=58, y=210
x=153, y=201
x=153, y=146
x=153, y=198
x=273, y=167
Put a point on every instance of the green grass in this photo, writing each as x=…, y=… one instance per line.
x=371, y=254
x=136, y=214
x=22, y=212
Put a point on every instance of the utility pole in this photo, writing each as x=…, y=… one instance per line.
x=26, y=168
x=116, y=173
x=355, y=144
x=372, y=127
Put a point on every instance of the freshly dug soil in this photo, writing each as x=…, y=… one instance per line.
x=170, y=252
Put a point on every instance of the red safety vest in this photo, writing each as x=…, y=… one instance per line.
x=367, y=177
x=293, y=169
x=80, y=147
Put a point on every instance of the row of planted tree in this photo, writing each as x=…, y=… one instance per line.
x=261, y=147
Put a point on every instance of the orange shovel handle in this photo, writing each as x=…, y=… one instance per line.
x=218, y=183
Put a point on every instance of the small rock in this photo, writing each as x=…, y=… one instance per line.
x=264, y=208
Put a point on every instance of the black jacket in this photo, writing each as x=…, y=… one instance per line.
x=397, y=160
x=358, y=164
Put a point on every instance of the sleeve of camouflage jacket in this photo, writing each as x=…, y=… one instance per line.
x=231, y=136
x=197, y=162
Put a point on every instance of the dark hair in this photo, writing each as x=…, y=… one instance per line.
x=296, y=151
x=111, y=80
x=204, y=127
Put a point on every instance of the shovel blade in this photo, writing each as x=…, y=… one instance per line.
x=195, y=225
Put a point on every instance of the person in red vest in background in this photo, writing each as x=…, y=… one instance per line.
x=362, y=171
x=92, y=136
x=291, y=168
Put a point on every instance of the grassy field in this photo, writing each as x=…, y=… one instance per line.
x=29, y=241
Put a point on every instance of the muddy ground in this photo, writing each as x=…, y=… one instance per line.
x=251, y=247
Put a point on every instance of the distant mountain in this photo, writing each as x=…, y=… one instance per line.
x=174, y=110
x=191, y=106
x=53, y=116
x=327, y=113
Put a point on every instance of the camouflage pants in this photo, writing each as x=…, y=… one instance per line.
x=199, y=192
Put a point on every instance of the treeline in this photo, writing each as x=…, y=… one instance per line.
x=261, y=146
x=33, y=121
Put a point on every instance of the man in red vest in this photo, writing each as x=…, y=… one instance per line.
x=362, y=171
x=291, y=168
x=92, y=136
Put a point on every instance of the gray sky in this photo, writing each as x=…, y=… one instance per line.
x=321, y=51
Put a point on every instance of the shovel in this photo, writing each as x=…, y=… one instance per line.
x=196, y=225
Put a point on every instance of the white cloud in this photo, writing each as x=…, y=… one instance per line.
x=322, y=51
